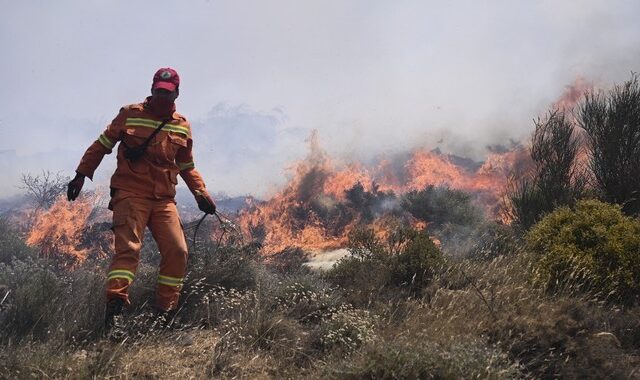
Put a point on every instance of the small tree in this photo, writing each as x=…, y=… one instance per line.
x=612, y=123
x=556, y=178
x=44, y=188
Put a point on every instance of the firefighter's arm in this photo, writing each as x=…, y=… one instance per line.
x=193, y=179
x=103, y=145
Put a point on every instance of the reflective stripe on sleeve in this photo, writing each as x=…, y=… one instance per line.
x=186, y=165
x=121, y=273
x=104, y=140
x=170, y=281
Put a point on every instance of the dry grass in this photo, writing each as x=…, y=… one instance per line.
x=475, y=318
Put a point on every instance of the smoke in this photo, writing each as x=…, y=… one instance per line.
x=373, y=78
x=239, y=150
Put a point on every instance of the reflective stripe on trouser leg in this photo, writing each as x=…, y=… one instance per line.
x=165, y=226
x=130, y=216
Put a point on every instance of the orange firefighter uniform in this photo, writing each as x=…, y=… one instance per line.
x=143, y=194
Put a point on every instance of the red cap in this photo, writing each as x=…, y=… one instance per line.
x=166, y=78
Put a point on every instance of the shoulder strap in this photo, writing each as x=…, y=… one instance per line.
x=155, y=132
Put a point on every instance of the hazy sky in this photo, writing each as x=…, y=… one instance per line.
x=373, y=77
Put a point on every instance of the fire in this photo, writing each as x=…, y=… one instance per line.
x=324, y=200
x=318, y=208
x=573, y=94
x=62, y=231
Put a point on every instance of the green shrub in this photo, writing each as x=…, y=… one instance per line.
x=417, y=263
x=592, y=248
x=367, y=268
x=33, y=293
x=439, y=206
x=409, y=260
x=11, y=246
x=491, y=240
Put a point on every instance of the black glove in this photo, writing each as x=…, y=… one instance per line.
x=74, y=187
x=205, y=203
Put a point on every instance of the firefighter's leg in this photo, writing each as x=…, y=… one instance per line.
x=167, y=231
x=130, y=217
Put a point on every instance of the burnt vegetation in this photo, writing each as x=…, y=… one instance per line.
x=444, y=293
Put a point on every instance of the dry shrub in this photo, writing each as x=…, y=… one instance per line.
x=549, y=336
x=34, y=291
x=592, y=248
x=247, y=324
x=304, y=298
x=45, y=305
x=226, y=266
x=345, y=329
x=410, y=358
x=290, y=260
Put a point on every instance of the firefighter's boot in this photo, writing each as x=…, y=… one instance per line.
x=113, y=319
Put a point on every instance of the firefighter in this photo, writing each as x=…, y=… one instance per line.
x=155, y=146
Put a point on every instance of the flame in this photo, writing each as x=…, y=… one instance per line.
x=312, y=211
x=60, y=231
x=573, y=94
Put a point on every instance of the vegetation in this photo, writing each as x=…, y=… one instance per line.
x=612, y=122
x=555, y=179
x=406, y=263
x=395, y=309
x=44, y=188
x=553, y=296
x=592, y=248
x=440, y=206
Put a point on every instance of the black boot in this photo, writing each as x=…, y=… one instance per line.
x=164, y=319
x=113, y=321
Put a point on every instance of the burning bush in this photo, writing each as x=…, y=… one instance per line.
x=592, y=248
x=64, y=232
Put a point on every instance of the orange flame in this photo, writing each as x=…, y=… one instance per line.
x=312, y=211
x=59, y=231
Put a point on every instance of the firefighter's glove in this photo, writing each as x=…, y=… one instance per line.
x=205, y=203
x=74, y=187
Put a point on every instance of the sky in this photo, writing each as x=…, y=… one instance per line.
x=372, y=77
